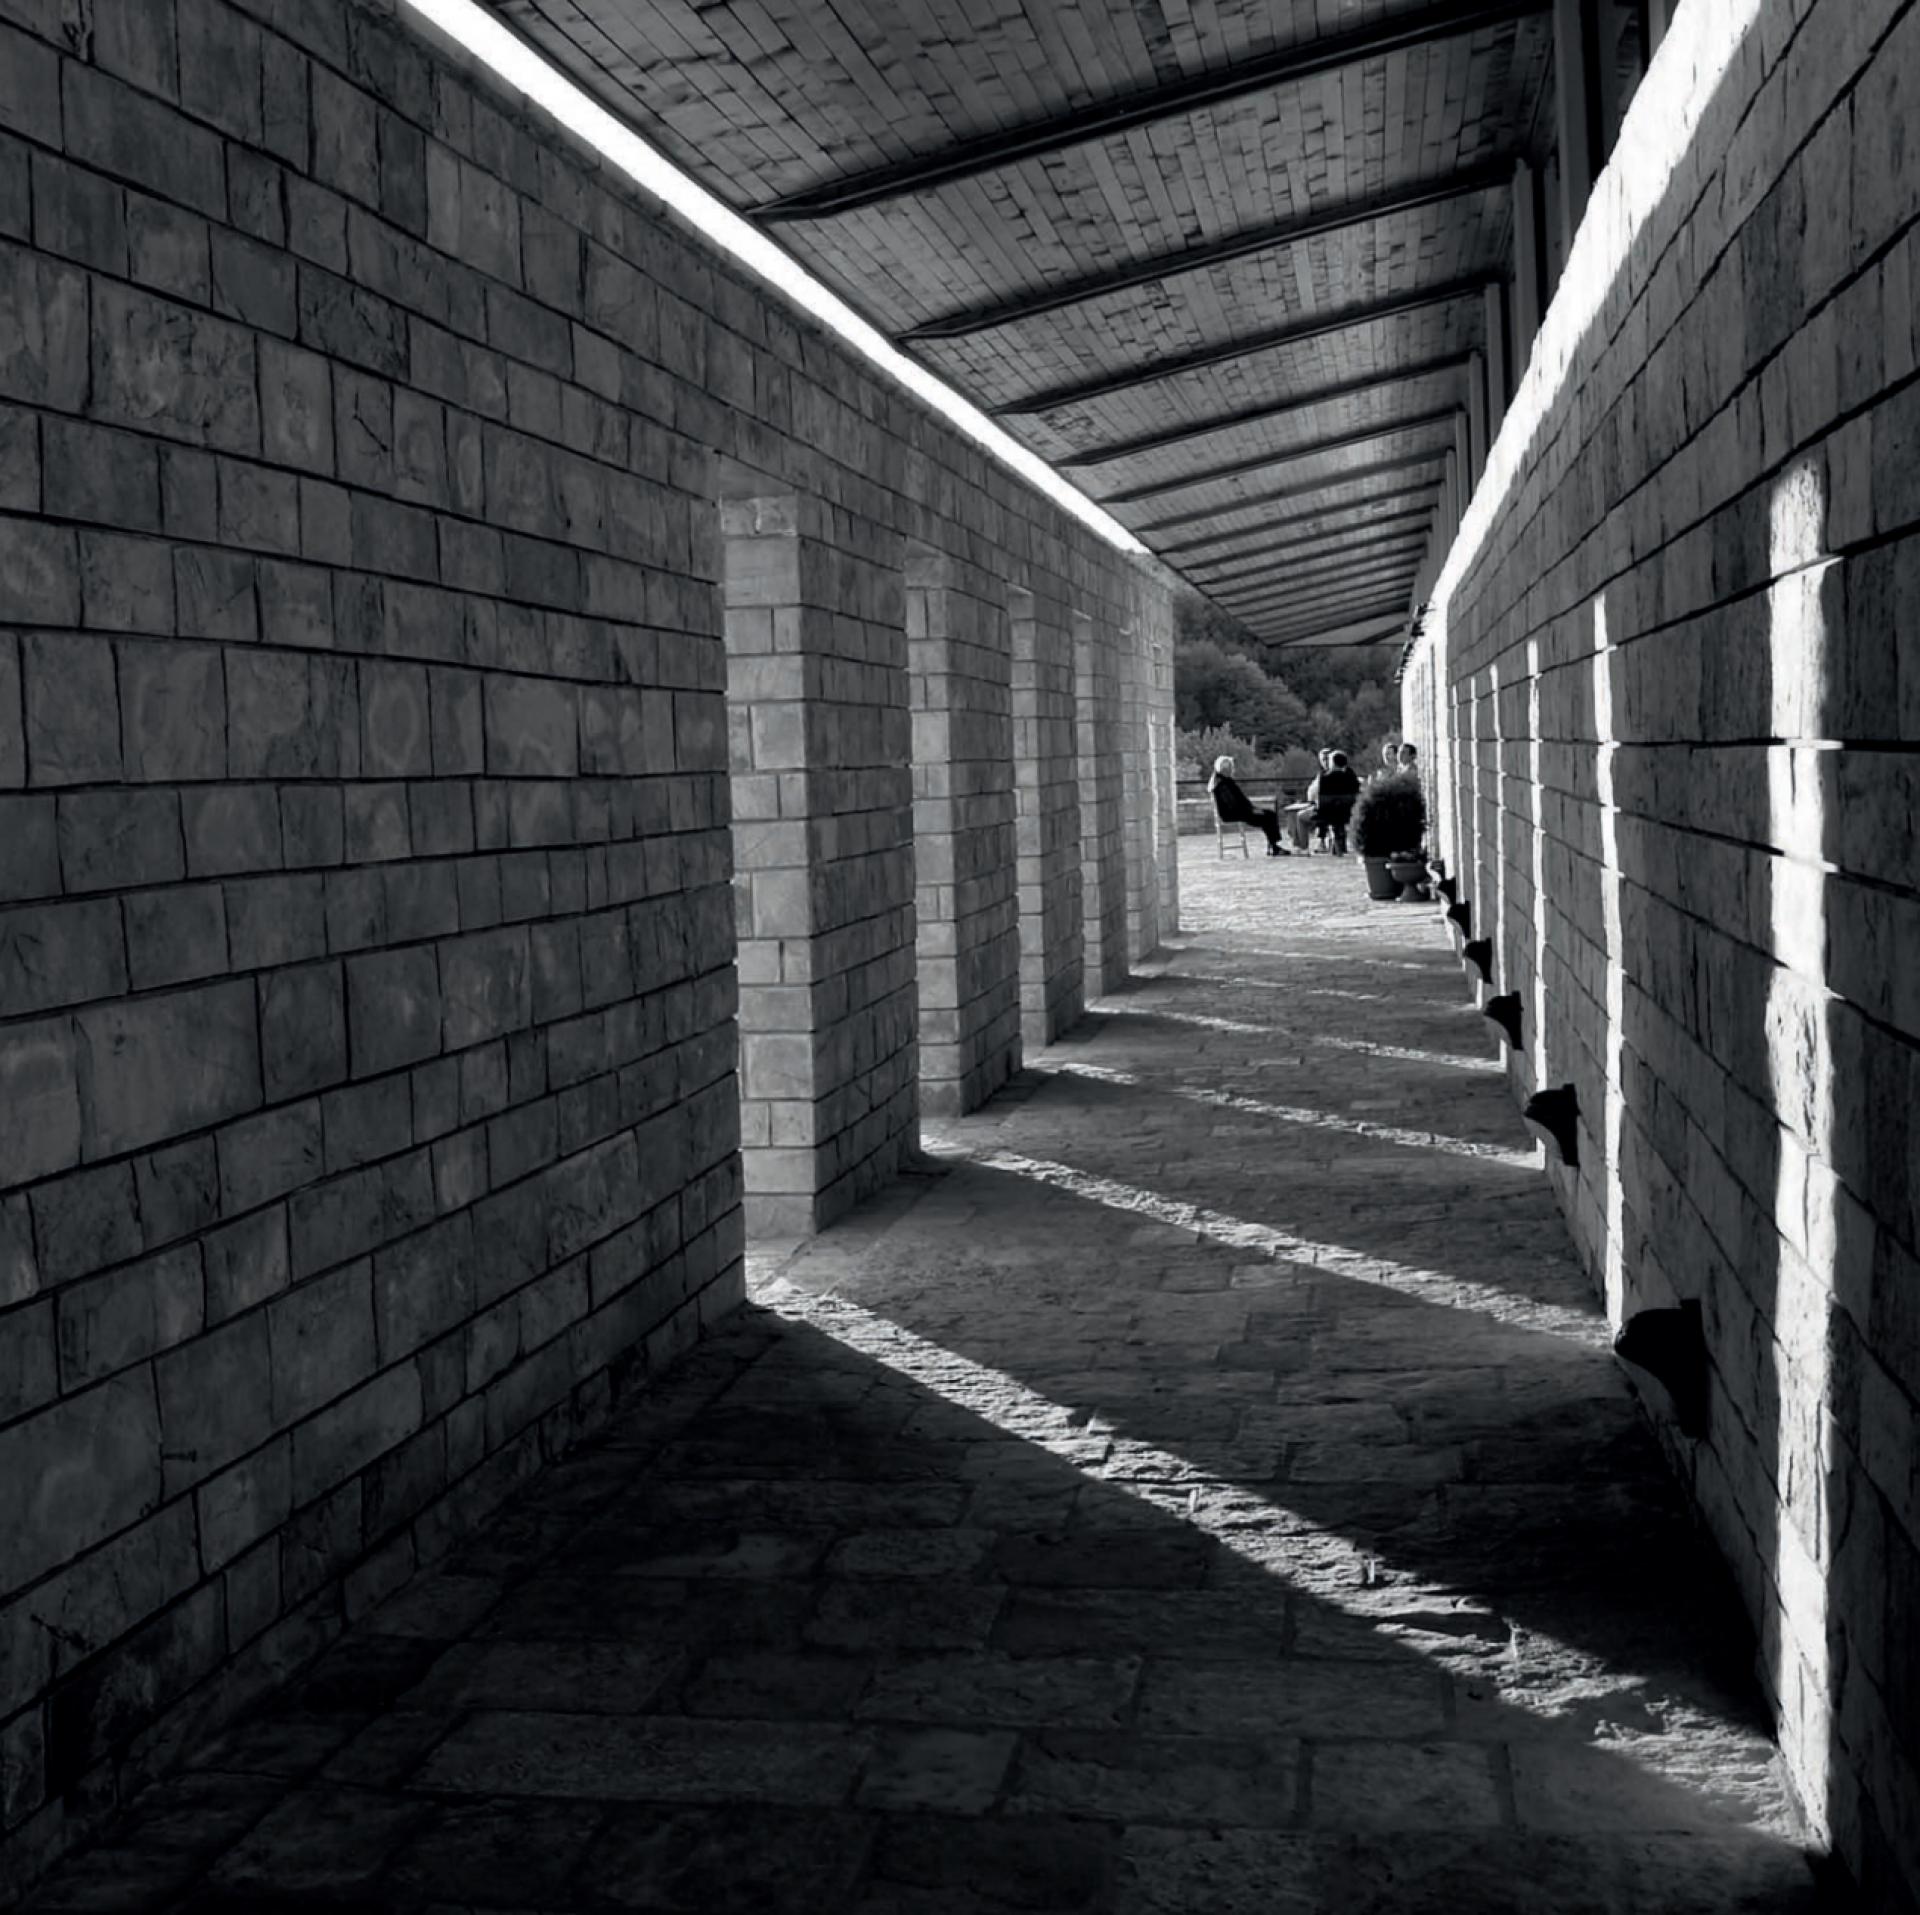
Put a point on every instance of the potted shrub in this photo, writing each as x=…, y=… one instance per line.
x=1390, y=827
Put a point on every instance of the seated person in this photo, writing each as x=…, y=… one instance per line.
x=1234, y=807
x=1307, y=822
x=1333, y=794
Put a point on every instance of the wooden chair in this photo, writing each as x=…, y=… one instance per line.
x=1220, y=829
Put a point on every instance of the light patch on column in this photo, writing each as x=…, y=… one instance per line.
x=1614, y=1110
x=1801, y=1072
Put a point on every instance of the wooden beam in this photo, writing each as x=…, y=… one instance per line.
x=1232, y=81
x=1386, y=605
x=1498, y=390
x=1373, y=631
x=1301, y=332
x=1398, y=522
x=1528, y=283
x=1421, y=489
x=1253, y=415
x=1284, y=564
x=1341, y=442
x=1430, y=456
x=1413, y=508
x=1197, y=259
x=1328, y=586
x=1576, y=109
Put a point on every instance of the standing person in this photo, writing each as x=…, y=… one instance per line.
x=1389, y=754
x=1408, y=759
x=1333, y=795
x=1234, y=806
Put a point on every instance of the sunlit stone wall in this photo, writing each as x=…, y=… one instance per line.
x=368, y=1107
x=1670, y=693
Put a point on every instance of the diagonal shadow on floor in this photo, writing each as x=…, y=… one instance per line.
x=860, y=1630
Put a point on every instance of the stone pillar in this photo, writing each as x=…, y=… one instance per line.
x=1046, y=778
x=1527, y=281
x=1498, y=387
x=966, y=900
x=823, y=854
x=1166, y=801
x=1575, y=100
x=1103, y=865
x=1140, y=770
x=1553, y=248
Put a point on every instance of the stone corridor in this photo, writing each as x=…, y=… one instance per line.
x=1201, y=1485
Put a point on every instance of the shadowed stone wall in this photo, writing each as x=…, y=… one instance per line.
x=1674, y=652
x=367, y=1048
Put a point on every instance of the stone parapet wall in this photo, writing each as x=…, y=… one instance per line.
x=368, y=1109
x=1667, y=690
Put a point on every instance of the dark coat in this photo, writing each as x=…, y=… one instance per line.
x=1230, y=803
x=1334, y=793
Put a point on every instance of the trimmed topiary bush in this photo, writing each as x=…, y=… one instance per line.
x=1390, y=817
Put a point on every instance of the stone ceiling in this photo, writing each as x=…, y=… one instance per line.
x=1220, y=261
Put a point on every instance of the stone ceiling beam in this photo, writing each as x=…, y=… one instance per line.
x=1253, y=415
x=1250, y=345
x=1198, y=259
x=1287, y=67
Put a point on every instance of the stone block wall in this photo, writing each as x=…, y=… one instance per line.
x=966, y=902
x=1046, y=767
x=1668, y=691
x=824, y=848
x=368, y=1109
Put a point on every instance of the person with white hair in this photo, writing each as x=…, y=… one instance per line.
x=1234, y=807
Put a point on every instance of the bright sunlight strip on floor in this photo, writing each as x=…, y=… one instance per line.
x=1439, y=1288
x=471, y=27
x=1311, y=1119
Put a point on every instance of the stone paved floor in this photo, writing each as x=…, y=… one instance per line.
x=1202, y=1487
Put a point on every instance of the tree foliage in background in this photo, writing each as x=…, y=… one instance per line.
x=1322, y=696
